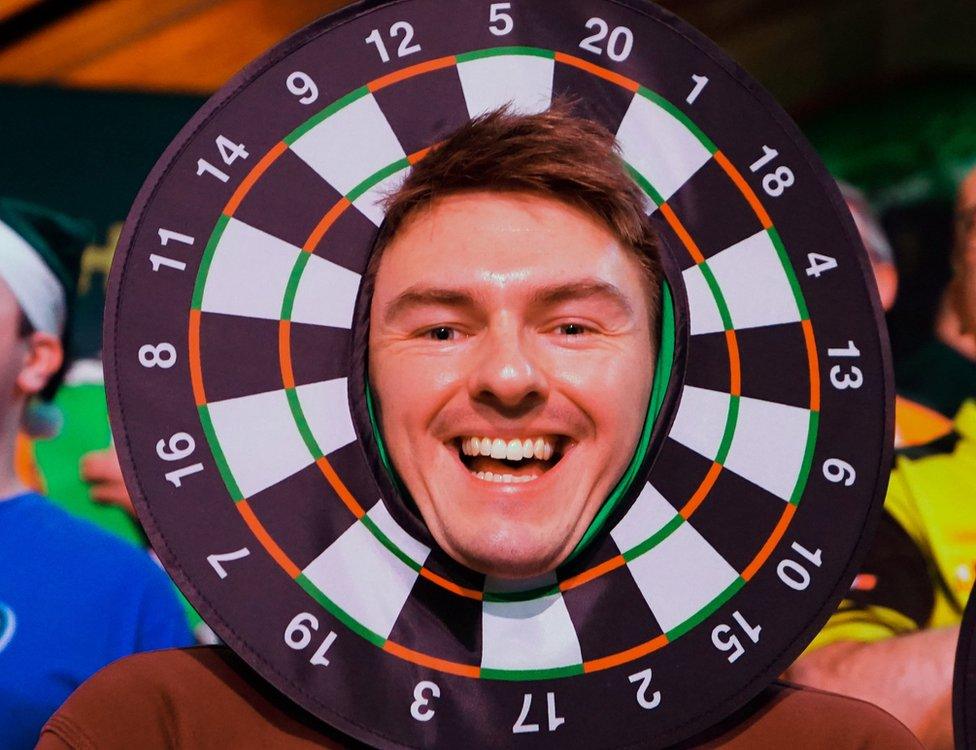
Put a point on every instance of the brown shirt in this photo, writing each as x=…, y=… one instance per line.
x=208, y=698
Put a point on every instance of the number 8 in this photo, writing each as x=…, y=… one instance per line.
x=161, y=355
x=778, y=181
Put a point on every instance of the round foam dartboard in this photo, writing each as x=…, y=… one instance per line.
x=236, y=330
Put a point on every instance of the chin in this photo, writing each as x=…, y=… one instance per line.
x=505, y=555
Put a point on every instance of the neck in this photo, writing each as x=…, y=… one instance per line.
x=10, y=419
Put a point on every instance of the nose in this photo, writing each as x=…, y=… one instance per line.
x=507, y=374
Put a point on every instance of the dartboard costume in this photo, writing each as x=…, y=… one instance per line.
x=236, y=330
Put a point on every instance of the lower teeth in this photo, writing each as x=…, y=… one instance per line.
x=502, y=478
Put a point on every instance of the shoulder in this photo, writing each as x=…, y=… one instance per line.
x=202, y=696
x=804, y=719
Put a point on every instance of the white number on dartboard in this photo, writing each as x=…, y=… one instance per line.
x=400, y=28
x=298, y=635
x=725, y=640
x=521, y=727
x=700, y=83
x=794, y=574
x=501, y=22
x=852, y=378
x=302, y=86
x=161, y=355
x=836, y=471
x=820, y=264
x=422, y=694
x=644, y=678
x=775, y=182
x=619, y=44
x=179, y=447
x=217, y=561
x=229, y=153
x=158, y=261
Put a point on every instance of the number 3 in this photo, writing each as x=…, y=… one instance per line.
x=420, y=708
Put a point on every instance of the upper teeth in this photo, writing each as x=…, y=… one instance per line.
x=512, y=450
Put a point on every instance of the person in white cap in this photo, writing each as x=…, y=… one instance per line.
x=72, y=597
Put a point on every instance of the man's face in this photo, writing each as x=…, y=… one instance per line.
x=510, y=352
x=964, y=280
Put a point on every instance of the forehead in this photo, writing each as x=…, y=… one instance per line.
x=497, y=239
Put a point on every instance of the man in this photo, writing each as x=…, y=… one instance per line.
x=893, y=640
x=72, y=598
x=515, y=285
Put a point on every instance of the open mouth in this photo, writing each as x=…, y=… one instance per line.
x=510, y=461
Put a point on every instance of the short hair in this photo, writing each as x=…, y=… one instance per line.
x=552, y=153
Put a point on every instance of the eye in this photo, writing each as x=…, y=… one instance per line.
x=442, y=333
x=572, y=329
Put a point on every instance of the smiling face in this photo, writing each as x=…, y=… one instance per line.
x=511, y=354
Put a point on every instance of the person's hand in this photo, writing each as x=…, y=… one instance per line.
x=101, y=470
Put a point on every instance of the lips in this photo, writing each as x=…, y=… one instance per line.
x=511, y=461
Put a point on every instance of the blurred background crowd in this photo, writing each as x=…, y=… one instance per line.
x=91, y=92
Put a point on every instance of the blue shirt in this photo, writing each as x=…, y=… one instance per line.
x=72, y=599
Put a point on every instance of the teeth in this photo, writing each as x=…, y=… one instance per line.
x=511, y=450
x=503, y=478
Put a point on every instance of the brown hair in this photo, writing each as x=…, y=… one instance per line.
x=554, y=153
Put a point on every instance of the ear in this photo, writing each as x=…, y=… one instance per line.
x=44, y=357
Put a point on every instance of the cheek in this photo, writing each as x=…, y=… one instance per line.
x=411, y=389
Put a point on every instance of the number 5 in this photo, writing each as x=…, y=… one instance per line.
x=496, y=15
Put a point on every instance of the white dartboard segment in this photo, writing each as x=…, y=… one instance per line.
x=350, y=146
x=248, y=273
x=700, y=421
x=325, y=406
x=524, y=82
x=380, y=515
x=754, y=284
x=259, y=439
x=659, y=146
x=702, y=308
x=508, y=627
x=376, y=593
x=648, y=515
x=680, y=576
x=370, y=203
x=326, y=294
x=769, y=445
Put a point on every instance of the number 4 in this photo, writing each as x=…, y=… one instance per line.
x=230, y=151
x=820, y=264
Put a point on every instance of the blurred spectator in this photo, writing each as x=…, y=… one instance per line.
x=893, y=639
x=915, y=423
x=72, y=597
x=942, y=373
x=102, y=471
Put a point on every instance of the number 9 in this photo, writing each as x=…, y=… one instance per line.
x=175, y=452
x=301, y=85
x=836, y=471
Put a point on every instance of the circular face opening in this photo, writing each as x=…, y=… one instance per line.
x=236, y=335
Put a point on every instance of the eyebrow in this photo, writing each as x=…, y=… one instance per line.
x=420, y=296
x=583, y=289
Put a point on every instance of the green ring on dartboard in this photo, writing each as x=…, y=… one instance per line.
x=236, y=330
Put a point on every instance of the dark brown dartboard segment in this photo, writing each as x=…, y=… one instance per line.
x=417, y=127
x=288, y=201
x=718, y=221
x=440, y=623
x=780, y=373
x=305, y=494
x=678, y=473
x=597, y=609
x=239, y=355
x=709, y=365
x=318, y=353
x=348, y=240
x=590, y=97
x=737, y=518
x=262, y=487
